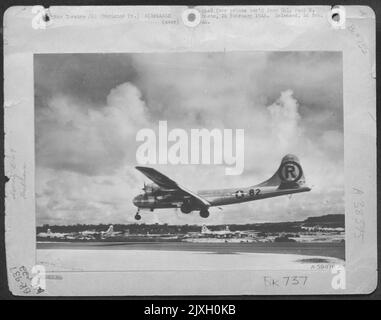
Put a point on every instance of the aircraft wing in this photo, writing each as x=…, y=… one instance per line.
x=164, y=182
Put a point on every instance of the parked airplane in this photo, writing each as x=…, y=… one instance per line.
x=50, y=234
x=166, y=193
x=206, y=231
x=110, y=233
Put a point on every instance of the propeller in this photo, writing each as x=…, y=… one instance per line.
x=145, y=190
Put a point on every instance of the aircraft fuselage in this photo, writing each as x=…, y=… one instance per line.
x=216, y=197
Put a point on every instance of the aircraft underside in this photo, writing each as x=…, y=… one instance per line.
x=165, y=193
x=232, y=197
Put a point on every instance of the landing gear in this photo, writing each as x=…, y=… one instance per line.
x=204, y=213
x=138, y=216
x=185, y=208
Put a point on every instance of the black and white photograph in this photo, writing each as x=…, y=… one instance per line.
x=189, y=160
x=190, y=151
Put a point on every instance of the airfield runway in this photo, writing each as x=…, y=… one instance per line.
x=335, y=250
x=127, y=256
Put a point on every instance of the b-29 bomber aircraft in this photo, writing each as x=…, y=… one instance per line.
x=166, y=193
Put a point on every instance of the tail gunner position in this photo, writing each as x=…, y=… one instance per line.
x=166, y=193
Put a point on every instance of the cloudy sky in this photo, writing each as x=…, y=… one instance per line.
x=89, y=107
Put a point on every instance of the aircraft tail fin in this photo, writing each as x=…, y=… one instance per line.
x=288, y=176
x=204, y=229
x=110, y=229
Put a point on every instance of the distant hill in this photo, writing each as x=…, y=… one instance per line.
x=329, y=221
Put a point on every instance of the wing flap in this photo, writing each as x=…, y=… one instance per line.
x=196, y=196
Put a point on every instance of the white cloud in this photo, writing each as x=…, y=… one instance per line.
x=74, y=137
x=285, y=118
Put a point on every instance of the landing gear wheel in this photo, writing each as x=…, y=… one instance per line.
x=185, y=208
x=204, y=213
x=137, y=216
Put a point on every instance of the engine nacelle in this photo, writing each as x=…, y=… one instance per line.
x=150, y=188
